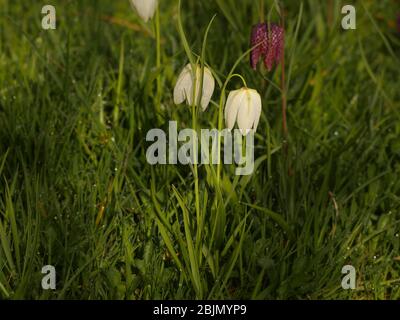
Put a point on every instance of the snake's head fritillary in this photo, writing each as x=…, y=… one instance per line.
x=267, y=41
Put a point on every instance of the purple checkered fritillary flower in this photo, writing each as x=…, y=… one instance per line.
x=270, y=41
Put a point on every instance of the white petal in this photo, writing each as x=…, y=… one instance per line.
x=208, y=88
x=246, y=113
x=183, y=85
x=232, y=106
x=257, y=108
x=145, y=8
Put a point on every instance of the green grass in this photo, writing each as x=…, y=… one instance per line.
x=76, y=191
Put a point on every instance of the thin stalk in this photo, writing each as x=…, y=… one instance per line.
x=158, y=62
x=195, y=169
x=330, y=13
x=284, y=101
x=222, y=103
x=194, y=65
x=117, y=105
x=200, y=216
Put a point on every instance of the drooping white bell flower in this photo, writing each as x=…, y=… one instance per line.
x=244, y=106
x=184, y=86
x=145, y=8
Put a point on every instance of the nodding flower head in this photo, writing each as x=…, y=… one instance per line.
x=267, y=41
x=244, y=106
